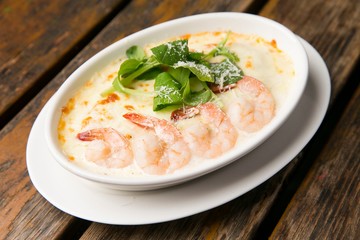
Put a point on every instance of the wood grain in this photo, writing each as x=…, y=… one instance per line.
x=327, y=203
x=17, y=193
x=22, y=208
x=31, y=226
x=238, y=219
x=36, y=38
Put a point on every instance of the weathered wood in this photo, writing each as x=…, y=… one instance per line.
x=327, y=202
x=49, y=225
x=240, y=218
x=34, y=36
x=37, y=38
x=24, y=213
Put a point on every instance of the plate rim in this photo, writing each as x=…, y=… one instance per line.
x=130, y=199
x=153, y=182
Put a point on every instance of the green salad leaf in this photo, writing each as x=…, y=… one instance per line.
x=129, y=66
x=193, y=96
x=136, y=52
x=226, y=72
x=167, y=90
x=130, y=76
x=118, y=86
x=171, y=52
x=201, y=71
x=181, y=76
x=222, y=50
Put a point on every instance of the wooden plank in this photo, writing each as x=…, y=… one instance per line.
x=34, y=35
x=36, y=38
x=16, y=191
x=327, y=202
x=239, y=218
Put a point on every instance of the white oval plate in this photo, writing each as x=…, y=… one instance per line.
x=237, y=22
x=71, y=195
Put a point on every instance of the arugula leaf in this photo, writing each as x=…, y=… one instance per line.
x=168, y=92
x=194, y=98
x=177, y=54
x=180, y=74
x=150, y=74
x=129, y=66
x=171, y=52
x=149, y=64
x=136, y=52
x=222, y=50
x=200, y=70
x=198, y=57
x=197, y=98
x=117, y=86
x=226, y=72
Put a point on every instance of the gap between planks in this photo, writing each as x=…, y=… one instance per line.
x=49, y=74
x=310, y=154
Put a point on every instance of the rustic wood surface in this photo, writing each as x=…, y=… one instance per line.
x=37, y=38
x=330, y=26
x=333, y=183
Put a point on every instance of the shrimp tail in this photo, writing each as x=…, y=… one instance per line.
x=219, y=89
x=107, y=147
x=90, y=135
x=164, y=149
x=184, y=113
x=140, y=120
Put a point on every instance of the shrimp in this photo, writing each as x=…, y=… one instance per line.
x=108, y=148
x=254, y=106
x=208, y=130
x=161, y=149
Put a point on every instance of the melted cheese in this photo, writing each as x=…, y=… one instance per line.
x=88, y=109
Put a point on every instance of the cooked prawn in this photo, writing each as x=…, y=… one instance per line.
x=107, y=148
x=253, y=107
x=208, y=130
x=161, y=149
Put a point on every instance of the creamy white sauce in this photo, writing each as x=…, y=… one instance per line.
x=259, y=58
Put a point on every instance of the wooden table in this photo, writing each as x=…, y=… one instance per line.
x=316, y=196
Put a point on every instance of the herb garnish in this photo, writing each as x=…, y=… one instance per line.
x=181, y=76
